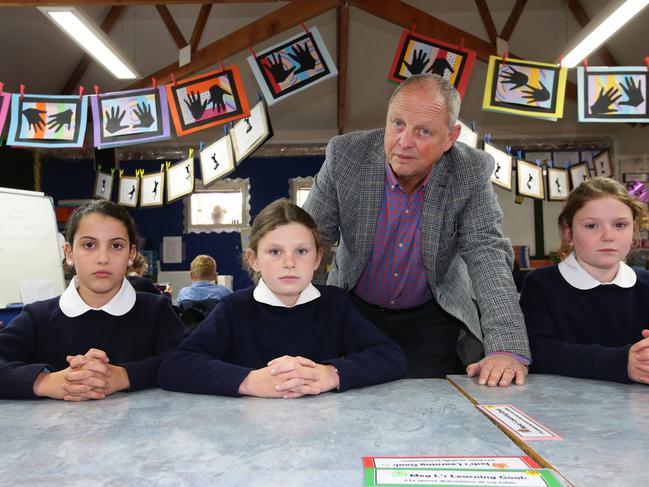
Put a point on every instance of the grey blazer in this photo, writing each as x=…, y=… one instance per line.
x=466, y=258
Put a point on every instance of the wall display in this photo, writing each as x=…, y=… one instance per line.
x=468, y=136
x=152, y=189
x=292, y=65
x=562, y=159
x=180, y=179
x=5, y=101
x=130, y=117
x=502, y=173
x=128, y=192
x=579, y=173
x=217, y=160
x=103, y=185
x=207, y=100
x=250, y=133
x=557, y=183
x=612, y=94
x=602, y=164
x=530, y=180
x=525, y=88
x=417, y=54
x=47, y=121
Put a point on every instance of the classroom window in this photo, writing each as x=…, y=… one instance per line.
x=222, y=207
x=300, y=188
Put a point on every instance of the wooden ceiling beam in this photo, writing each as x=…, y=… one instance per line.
x=172, y=27
x=583, y=19
x=201, y=20
x=278, y=21
x=512, y=20
x=83, y=3
x=342, y=45
x=78, y=72
x=487, y=21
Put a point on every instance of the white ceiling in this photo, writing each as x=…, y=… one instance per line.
x=34, y=52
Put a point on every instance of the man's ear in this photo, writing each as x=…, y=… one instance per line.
x=453, y=134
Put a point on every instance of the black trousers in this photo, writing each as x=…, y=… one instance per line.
x=426, y=334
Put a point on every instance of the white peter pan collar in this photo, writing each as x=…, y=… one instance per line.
x=73, y=305
x=578, y=277
x=263, y=294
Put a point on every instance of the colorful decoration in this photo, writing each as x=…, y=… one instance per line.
x=5, y=101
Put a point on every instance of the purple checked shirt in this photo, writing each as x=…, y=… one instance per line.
x=394, y=275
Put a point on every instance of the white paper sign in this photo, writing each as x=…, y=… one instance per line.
x=518, y=422
x=172, y=250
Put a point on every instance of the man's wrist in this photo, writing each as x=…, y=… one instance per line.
x=519, y=358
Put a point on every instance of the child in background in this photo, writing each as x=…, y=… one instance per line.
x=135, y=275
x=589, y=316
x=203, y=275
x=99, y=336
x=285, y=337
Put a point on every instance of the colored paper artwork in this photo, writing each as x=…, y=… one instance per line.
x=5, y=101
x=602, y=164
x=292, y=66
x=417, y=54
x=579, y=173
x=607, y=94
x=180, y=179
x=525, y=88
x=502, y=173
x=47, y=121
x=217, y=160
x=207, y=100
x=103, y=185
x=557, y=183
x=530, y=180
x=151, y=189
x=250, y=133
x=130, y=117
x=128, y=192
x=467, y=136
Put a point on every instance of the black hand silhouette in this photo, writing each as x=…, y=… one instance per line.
x=440, y=65
x=131, y=192
x=155, y=187
x=194, y=104
x=114, y=120
x=34, y=118
x=497, y=170
x=249, y=128
x=277, y=69
x=604, y=100
x=418, y=62
x=633, y=92
x=216, y=163
x=529, y=181
x=143, y=113
x=216, y=97
x=303, y=57
x=58, y=120
x=536, y=94
x=514, y=78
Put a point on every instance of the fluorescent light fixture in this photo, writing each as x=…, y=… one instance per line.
x=614, y=16
x=91, y=39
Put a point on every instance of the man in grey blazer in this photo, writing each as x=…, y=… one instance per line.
x=420, y=246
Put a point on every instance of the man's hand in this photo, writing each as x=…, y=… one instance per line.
x=498, y=370
x=638, y=361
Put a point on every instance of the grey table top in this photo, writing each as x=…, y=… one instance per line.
x=156, y=437
x=604, y=426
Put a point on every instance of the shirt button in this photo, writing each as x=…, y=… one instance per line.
x=400, y=245
x=396, y=274
x=407, y=212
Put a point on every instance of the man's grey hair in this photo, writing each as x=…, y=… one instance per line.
x=447, y=91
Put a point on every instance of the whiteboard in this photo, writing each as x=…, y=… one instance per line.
x=28, y=243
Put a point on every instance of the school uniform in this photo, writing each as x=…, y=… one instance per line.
x=134, y=329
x=580, y=327
x=248, y=328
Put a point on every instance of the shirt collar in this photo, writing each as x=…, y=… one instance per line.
x=263, y=294
x=73, y=305
x=202, y=283
x=393, y=182
x=578, y=277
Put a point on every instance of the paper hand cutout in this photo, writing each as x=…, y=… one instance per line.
x=303, y=57
x=418, y=62
x=143, y=113
x=58, y=120
x=513, y=77
x=114, y=120
x=277, y=69
x=440, y=65
x=604, y=100
x=633, y=92
x=34, y=118
x=216, y=97
x=194, y=104
x=536, y=94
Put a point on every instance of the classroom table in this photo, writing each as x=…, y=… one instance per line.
x=155, y=437
x=604, y=425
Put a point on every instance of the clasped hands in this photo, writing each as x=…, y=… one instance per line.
x=638, y=360
x=88, y=376
x=290, y=377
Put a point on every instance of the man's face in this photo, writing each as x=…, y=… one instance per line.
x=416, y=133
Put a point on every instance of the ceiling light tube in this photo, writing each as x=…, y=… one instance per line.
x=614, y=16
x=90, y=38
